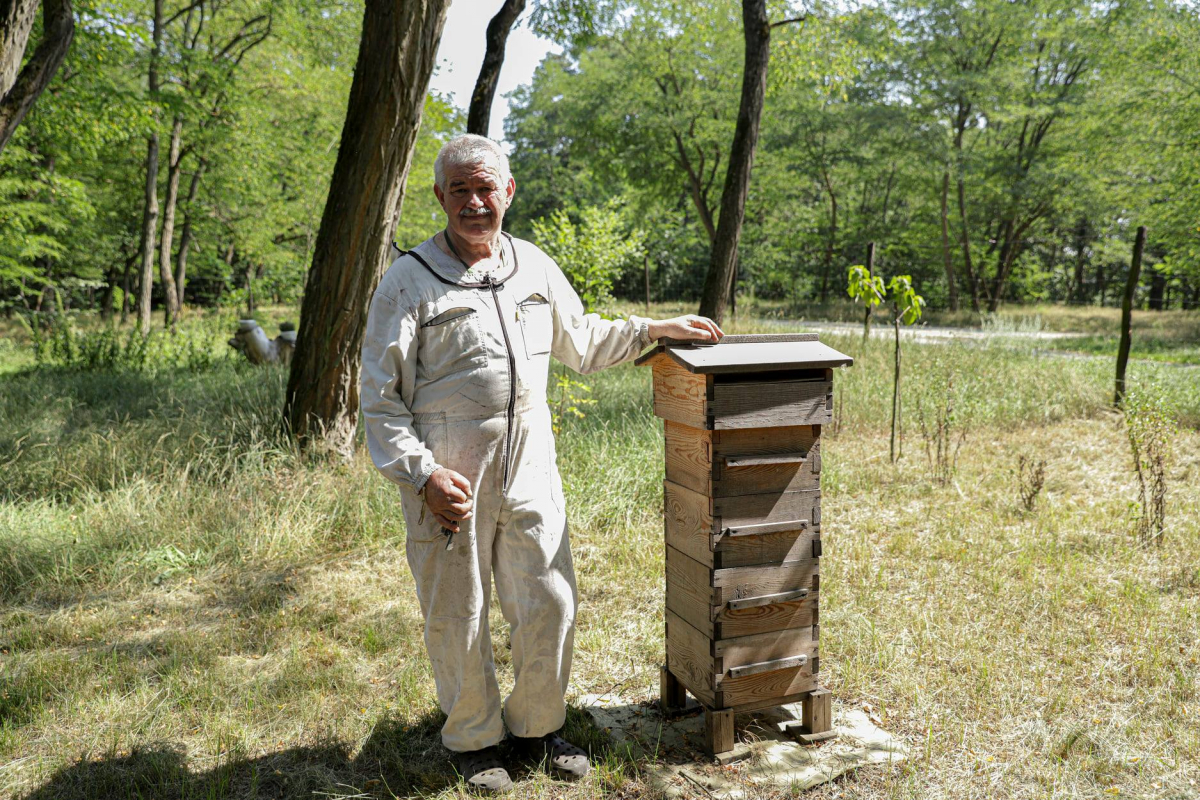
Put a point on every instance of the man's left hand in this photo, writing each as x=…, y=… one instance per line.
x=689, y=326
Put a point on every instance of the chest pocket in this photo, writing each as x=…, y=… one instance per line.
x=537, y=328
x=450, y=341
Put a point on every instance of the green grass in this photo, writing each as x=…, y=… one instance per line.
x=190, y=608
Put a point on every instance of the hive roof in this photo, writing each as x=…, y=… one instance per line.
x=759, y=352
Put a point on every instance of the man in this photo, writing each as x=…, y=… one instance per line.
x=455, y=360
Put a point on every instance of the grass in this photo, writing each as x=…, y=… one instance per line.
x=190, y=608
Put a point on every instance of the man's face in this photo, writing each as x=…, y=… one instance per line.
x=475, y=200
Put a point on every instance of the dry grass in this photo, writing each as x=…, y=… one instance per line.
x=192, y=610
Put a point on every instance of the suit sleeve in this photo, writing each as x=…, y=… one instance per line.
x=588, y=342
x=389, y=363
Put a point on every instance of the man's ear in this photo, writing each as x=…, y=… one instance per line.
x=509, y=192
x=441, y=198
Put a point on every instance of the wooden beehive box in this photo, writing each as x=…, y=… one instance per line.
x=742, y=428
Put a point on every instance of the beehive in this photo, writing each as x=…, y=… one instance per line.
x=742, y=427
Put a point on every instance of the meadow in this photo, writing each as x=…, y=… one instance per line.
x=190, y=608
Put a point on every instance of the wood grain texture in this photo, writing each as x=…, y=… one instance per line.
x=718, y=730
x=766, y=619
x=689, y=658
x=688, y=522
x=816, y=711
x=758, y=509
x=693, y=595
x=770, y=404
x=743, y=650
x=689, y=591
x=699, y=459
x=766, y=686
x=679, y=395
x=672, y=695
x=767, y=548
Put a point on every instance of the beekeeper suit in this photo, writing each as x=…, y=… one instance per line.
x=454, y=372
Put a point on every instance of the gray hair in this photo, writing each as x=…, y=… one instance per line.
x=469, y=149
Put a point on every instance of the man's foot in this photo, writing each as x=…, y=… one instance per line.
x=565, y=759
x=483, y=770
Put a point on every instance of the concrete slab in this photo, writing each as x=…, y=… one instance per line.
x=765, y=757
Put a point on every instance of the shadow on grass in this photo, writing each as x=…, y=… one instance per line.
x=397, y=760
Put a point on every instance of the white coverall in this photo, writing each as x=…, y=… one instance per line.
x=456, y=377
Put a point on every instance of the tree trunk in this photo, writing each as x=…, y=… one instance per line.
x=174, y=164
x=185, y=238
x=1135, y=269
x=126, y=287
x=150, y=212
x=1158, y=291
x=20, y=87
x=480, y=113
x=951, y=283
x=972, y=283
x=391, y=77
x=717, y=283
x=646, y=265
x=149, y=227
x=896, y=386
x=871, y=270
x=1076, y=295
x=829, y=243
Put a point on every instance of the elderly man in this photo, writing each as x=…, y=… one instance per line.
x=455, y=361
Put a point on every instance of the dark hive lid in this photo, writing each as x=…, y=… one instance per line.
x=758, y=352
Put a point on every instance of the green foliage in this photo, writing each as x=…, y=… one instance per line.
x=866, y=289
x=570, y=396
x=592, y=253
x=907, y=304
x=57, y=342
x=1151, y=430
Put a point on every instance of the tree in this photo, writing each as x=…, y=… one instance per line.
x=21, y=86
x=718, y=283
x=480, y=113
x=391, y=76
x=865, y=288
x=906, y=308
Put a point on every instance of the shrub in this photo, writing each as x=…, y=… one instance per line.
x=593, y=253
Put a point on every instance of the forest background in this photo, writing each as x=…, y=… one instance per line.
x=998, y=152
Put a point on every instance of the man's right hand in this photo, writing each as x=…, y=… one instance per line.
x=448, y=496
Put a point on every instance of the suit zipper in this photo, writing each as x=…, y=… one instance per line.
x=512, y=377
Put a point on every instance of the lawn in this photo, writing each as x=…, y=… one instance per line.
x=192, y=609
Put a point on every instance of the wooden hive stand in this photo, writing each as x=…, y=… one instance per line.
x=742, y=424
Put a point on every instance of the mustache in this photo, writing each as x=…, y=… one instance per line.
x=477, y=212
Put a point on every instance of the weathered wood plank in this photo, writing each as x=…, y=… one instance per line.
x=679, y=395
x=767, y=548
x=765, y=647
x=700, y=459
x=718, y=730
x=765, y=619
x=689, y=658
x=765, y=686
x=688, y=522
x=689, y=590
x=689, y=458
x=767, y=404
x=816, y=711
x=759, y=509
x=672, y=694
